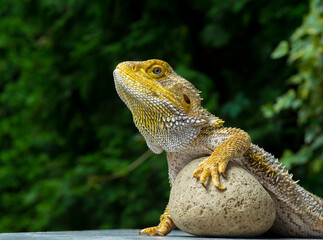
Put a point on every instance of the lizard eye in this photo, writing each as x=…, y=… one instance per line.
x=187, y=99
x=157, y=70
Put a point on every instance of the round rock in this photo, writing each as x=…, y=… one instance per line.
x=244, y=209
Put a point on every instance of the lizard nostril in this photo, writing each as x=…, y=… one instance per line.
x=134, y=67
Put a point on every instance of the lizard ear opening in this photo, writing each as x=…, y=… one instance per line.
x=187, y=99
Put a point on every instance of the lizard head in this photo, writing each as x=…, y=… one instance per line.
x=166, y=108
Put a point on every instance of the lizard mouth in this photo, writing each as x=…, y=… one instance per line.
x=126, y=82
x=123, y=84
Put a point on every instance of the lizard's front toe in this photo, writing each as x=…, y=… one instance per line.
x=206, y=170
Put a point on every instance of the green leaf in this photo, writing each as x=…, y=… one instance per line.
x=285, y=101
x=268, y=110
x=287, y=158
x=281, y=50
x=317, y=143
x=301, y=157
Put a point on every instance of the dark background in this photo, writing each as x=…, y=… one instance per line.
x=70, y=156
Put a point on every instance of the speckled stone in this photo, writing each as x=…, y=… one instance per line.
x=244, y=209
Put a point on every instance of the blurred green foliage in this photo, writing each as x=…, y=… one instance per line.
x=305, y=51
x=70, y=156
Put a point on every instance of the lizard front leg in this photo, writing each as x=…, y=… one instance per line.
x=236, y=145
x=165, y=226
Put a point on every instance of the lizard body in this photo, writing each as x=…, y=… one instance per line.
x=167, y=110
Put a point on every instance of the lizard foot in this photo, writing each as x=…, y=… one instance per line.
x=211, y=168
x=165, y=226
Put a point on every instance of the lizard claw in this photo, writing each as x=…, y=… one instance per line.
x=148, y=231
x=208, y=169
x=165, y=227
x=223, y=174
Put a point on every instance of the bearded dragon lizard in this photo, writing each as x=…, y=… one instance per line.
x=166, y=108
